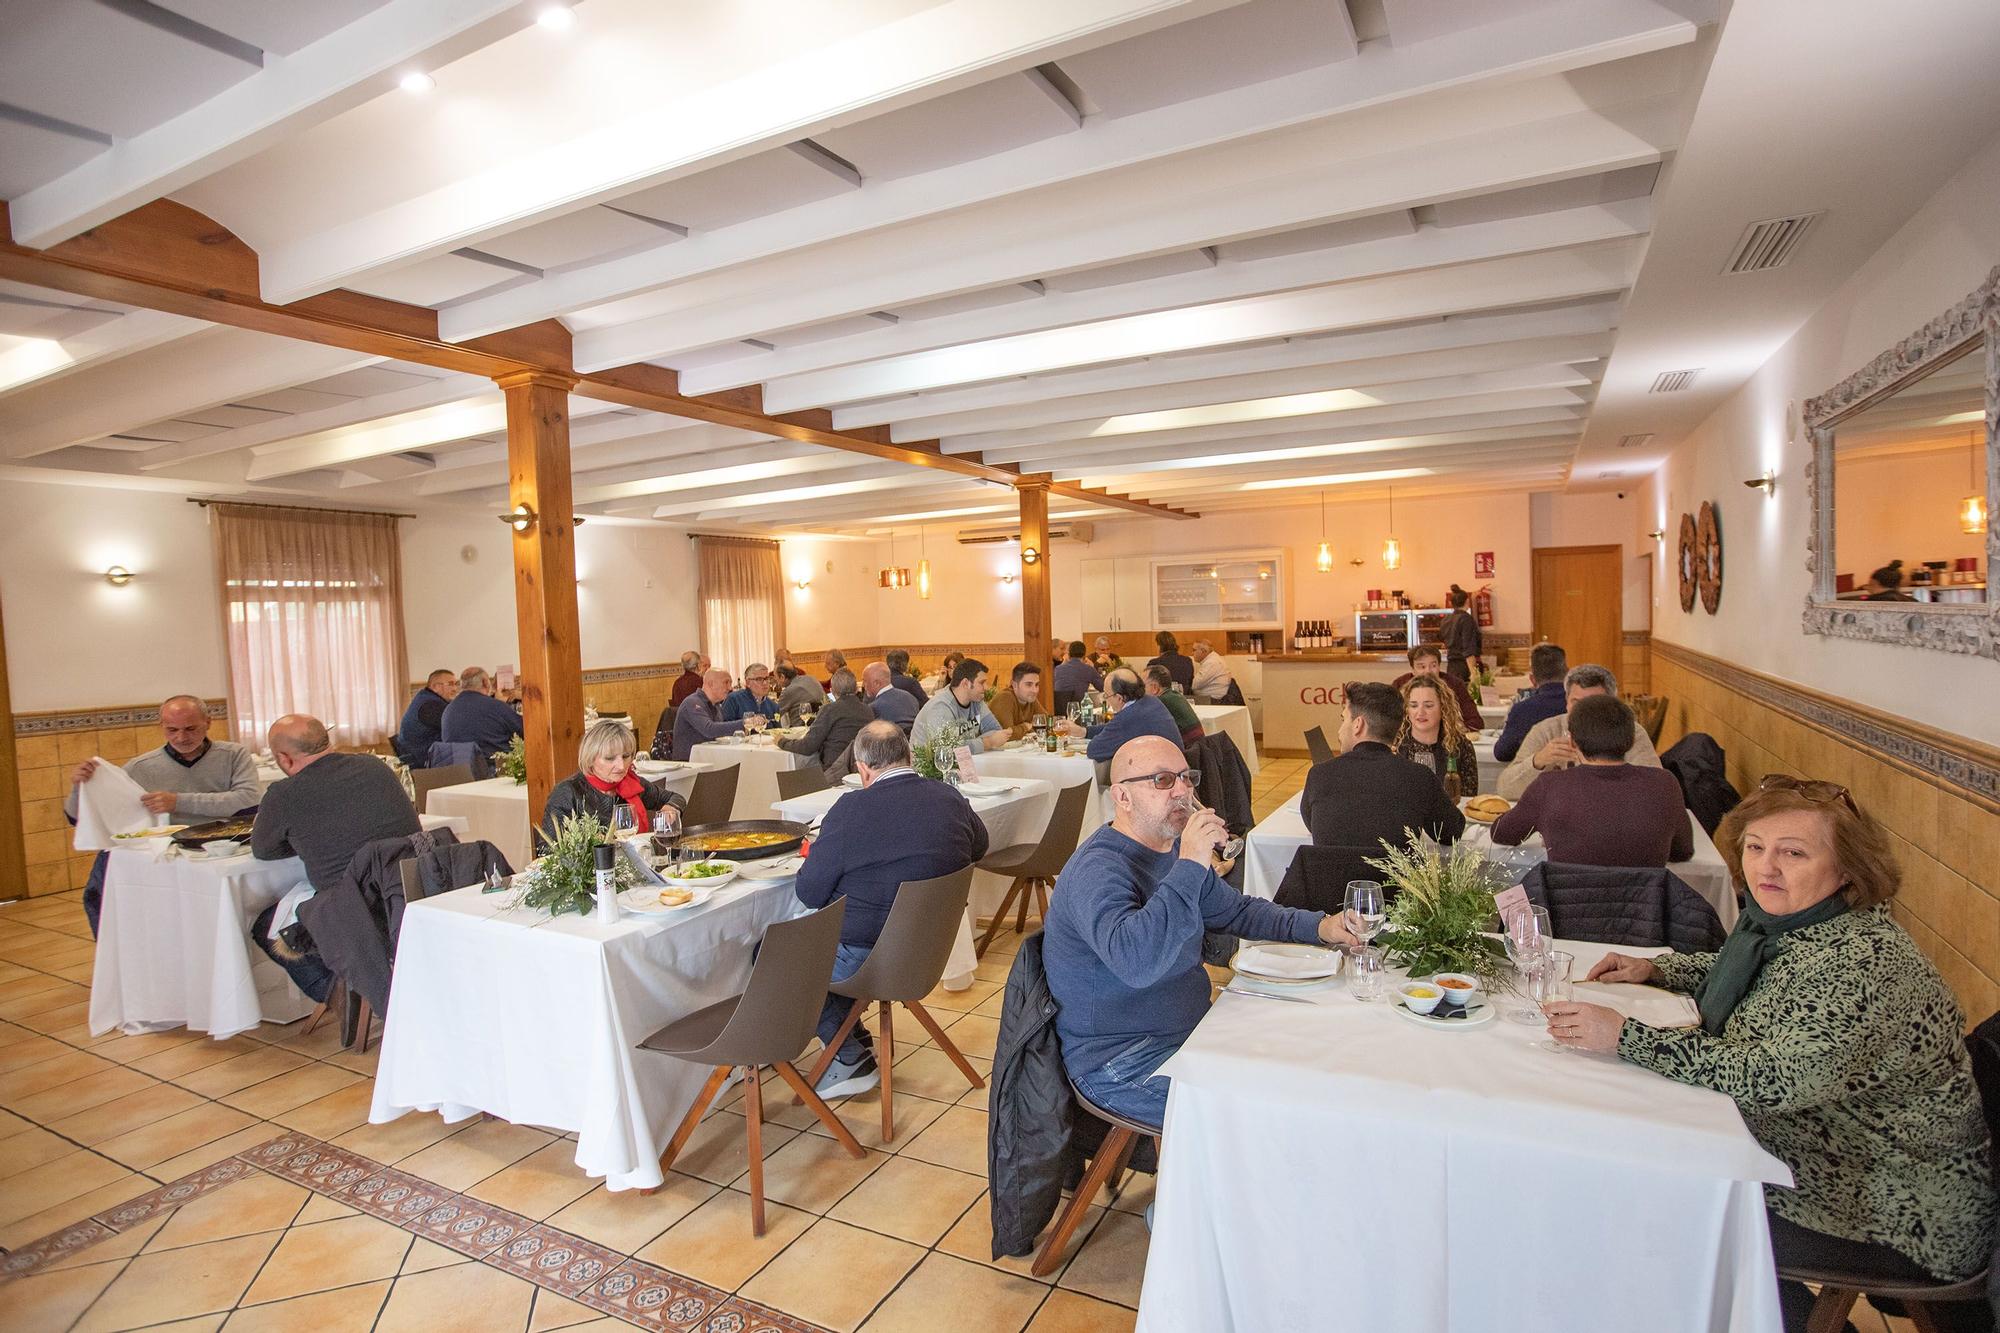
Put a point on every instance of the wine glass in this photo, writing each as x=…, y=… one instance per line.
x=1552, y=985
x=1527, y=941
x=623, y=825
x=1365, y=912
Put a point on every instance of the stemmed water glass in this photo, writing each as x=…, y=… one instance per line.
x=623, y=825
x=1527, y=938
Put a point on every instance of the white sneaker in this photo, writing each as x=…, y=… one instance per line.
x=1149, y=1219
x=846, y=1080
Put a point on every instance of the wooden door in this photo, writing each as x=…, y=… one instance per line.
x=1578, y=600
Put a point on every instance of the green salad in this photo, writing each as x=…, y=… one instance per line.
x=704, y=870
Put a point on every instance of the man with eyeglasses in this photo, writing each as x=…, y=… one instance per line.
x=753, y=696
x=1122, y=943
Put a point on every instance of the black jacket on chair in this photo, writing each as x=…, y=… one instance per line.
x=1369, y=794
x=1635, y=908
x=1225, y=780
x=1697, y=763
x=1318, y=877
x=833, y=730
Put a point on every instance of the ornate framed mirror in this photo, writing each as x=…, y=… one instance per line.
x=1904, y=469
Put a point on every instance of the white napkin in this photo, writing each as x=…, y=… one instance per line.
x=108, y=804
x=1265, y=960
x=1649, y=1004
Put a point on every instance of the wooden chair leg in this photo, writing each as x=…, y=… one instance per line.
x=944, y=1043
x=999, y=917
x=336, y=1000
x=1830, y=1311
x=1042, y=900
x=788, y=1072
x=825, y=1060
x=685, y=1130
x=753, y=1119
x=888, y=1058
x=1110, y=1160
x=366, y=1022
x=1021, y=913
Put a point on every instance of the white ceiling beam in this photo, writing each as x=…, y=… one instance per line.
x=217, y=366
x=350, y=65
x=762, y=465
x=921, y=53
x=451, y=388
x=38, y=360
x=1268, y=185
x=1495, y=284
x=396, y=434
x=1545, y=41
x=871, y=507
x=1096, y=470
x=1496, y=453
x=608, y=442
x=1525, y=480
x=1470, y=412
x=1290, y=393
x=760, y=495
x=1497, y=333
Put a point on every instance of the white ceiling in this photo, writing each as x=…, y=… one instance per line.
x=1214, y=252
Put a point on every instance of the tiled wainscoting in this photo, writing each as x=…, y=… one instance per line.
x=1938, y=794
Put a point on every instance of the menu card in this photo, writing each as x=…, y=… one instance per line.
x=966, y=772
x=1510, y=901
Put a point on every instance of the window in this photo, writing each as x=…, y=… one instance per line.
x=742, y=601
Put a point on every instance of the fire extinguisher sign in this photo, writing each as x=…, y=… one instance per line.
x=1482, y=564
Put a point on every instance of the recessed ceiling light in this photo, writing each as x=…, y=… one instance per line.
x=416, y=81
x=557, y=18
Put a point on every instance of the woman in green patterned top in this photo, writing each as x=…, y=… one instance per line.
x=1839, y=1042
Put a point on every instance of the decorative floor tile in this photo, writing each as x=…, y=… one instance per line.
x=49, y=1249
x=651, y=1297
x=564, y=1264
x=173, y=1194
x=741, y=1316
x=469, y=1226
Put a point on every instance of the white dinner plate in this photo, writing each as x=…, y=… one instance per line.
x=1481, y=1013
x=645, y=900
x=985, y=787
x=851, y=780
x=780, y=867
x=1288, y=962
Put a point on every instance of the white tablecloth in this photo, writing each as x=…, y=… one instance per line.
x=1494, y=715
x=496, y=809
x=1235, y=720
x=757, y=767
x=559, y=1045
x=1016, y=815
x=1333, y=1166
x=173, y=944
x=1490, y=768
x=1272, y=843
x=1060, y=770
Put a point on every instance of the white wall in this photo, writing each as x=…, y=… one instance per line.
x=73, y=640
x=838, y=606
x=1945, y=251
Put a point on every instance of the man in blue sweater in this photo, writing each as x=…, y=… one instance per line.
x=899, y=828
x=1134, y=713
x=1122, y=945
x=754, y=697
x=475, y=715
x=1547, y=665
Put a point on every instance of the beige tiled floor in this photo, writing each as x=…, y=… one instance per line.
x=897, y=1240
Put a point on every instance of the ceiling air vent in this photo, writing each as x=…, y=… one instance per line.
x=1635, y=441
x=1767, y=245
x=1673, y=381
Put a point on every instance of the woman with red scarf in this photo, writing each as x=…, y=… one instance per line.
x=604, y=781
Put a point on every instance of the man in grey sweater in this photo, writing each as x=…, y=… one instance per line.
x=191, y=778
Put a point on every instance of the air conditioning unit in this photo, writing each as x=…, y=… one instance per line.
x=1071, y=532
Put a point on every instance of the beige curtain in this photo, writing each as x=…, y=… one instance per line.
x=313, y=608
x=742, y=601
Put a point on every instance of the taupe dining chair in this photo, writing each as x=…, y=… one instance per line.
x=1316, y=745
x=424, y=781
x=905, y=965
x=1106, y=1166
x=714, y=796
x=768, y=1024
x=802, y=781
x=1034, y=866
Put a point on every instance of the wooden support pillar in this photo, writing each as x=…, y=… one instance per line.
x=1037, y=616
x=538, y=477
x=13, y=841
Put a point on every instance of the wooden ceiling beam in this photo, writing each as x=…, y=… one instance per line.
x=166, y=256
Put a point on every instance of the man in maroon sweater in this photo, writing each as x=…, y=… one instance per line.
x=1603, y=811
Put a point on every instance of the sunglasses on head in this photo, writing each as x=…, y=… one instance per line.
x=1164, y=781
x=1825, y=793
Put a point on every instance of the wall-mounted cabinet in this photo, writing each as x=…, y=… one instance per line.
x=1117, y=594
x=1235, y=591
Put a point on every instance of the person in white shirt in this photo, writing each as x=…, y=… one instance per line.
x=1212, y=677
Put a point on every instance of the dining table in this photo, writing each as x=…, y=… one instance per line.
x=1063, y=767
x=757, y=760
x=173, y=940
x=504, y=1009
x=496, y=809
x=1271, y=844
x=1329, y=1163
x=1013, y=809
x=1232, y=720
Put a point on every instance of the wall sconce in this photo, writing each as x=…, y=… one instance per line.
x=520, y=518
x=1007, y=579
x=802, y=584
x=118, y=576
x=1658, y=534
x=1766, y=483
x=1029, y=555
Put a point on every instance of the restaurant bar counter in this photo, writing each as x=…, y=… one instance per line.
x=1302, y=690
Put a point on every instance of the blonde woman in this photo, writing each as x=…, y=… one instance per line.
x=604, y=781
x=1433, y=735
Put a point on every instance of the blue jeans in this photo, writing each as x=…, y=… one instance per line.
x=1127, y=1083
x=833, y=1013
x=309, y=974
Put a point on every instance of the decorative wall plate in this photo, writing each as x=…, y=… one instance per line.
x=1708, y=564
x=1690, y=551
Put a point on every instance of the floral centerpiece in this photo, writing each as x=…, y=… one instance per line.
x=512, y=762
x=565, y=878
x=936, y=758
x=1438, y=920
